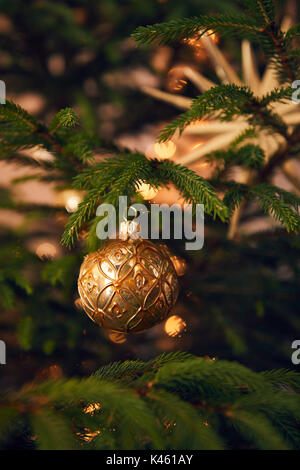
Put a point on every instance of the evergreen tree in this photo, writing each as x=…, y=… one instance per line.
x=177, y=400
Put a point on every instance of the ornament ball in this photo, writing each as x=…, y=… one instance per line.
x=128, y=285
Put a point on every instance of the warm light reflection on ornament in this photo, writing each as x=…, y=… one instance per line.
x=46, y=250
x=117, y=337
x=147, y=191
x=179, y=265
x=165, y=149
x=91, y=408
x=176, y=79
x=174, y=325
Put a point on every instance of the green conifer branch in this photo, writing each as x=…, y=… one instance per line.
x=193, y=188
x=257, y=25
x=225, y=102
x=183, y=28
x=173, y=401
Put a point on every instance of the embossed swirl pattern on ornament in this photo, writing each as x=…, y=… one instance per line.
x=128, y=286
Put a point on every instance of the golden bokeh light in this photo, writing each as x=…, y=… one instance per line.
x=179, y=265
x=40, y=154
x=46, y=250
x=175, y=325
x=69, y=198
x=165, y=149
x=56, y=64
x=72, y=203
x=147, y=191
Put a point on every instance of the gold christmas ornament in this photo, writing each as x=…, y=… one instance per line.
x=129, y=285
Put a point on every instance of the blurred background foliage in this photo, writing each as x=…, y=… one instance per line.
x=238, y=300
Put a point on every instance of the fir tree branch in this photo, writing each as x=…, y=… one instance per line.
x=225, y=102
x=172, y=401
x=257, y=25
x=193, y=188
x=182, y=28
